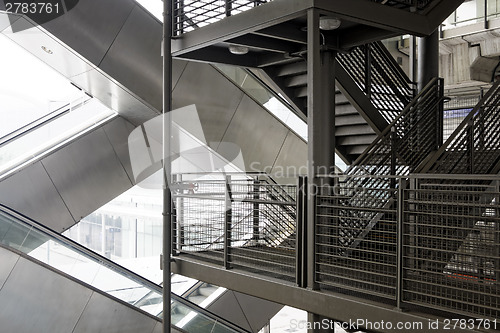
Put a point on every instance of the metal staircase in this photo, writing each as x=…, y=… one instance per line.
x=372, y=90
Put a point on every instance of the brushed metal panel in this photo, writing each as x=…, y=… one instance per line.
x=32, y=38
x=6, y=19
x=87, y=173
x=258, y=134
x=216, y=98
x=114, y=96
x=32, y=193
x=91, y=26
x=178, y=67
x=258, y=312
x=8, y=260
x=291, y=160
x=36, y=299
x=227, y=307
x=134, y=58
x=103, y=314
x=118, y=131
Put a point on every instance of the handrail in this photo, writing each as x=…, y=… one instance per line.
x=101, y=260
x=423, y=94
x=460, y=129
x=28, y=128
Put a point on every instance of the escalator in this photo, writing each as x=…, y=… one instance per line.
x=68, y=286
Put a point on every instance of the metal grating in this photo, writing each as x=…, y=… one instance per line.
x=369, y=262
x=397, y=151
x=379, y=77
x=473, y=147
x=238, y=221
x=405, y=4
x=192, y=14
x=451, y=246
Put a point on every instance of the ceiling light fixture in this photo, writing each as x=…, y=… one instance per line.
x=329, y=23
x=236, y=49
x=46, y=49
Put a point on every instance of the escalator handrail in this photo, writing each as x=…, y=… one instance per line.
x=82, y=250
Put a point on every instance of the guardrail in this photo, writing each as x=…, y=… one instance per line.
x=192, y=14
x=434, y=244
x=237, y=221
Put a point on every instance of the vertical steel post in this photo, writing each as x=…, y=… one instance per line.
x=413, y=60
x=256, y=207
x=368, y=71
x=428, y=59
x=227, y=222
x=497, y=230
x=393, y=156
x=321, y=126
x=300, y=257
x=486, y=14
x=229, y=7
x=439, y=116
x=400, y=242
x=167, y=197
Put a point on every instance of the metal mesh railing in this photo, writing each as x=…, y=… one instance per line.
x=193, y=14
x=379, y=77
x=351, y=253
x=473, y=147
x=418, y=4
x=397, y=151
x=238, y=221
x=452, y=245
x=437, y=246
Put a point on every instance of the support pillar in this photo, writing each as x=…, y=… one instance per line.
x=428, y=59
x=167, y=195
x=321, y=129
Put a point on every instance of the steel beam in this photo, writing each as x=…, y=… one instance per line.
x=264, y=43
x=321, y=127
x=428, y=59
x=359, y=100
x=260, y=17
x=329, y=304
x=167, y=196
x=285, y=31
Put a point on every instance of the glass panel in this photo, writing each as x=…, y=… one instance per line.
x=60, y=129
x=29, y=89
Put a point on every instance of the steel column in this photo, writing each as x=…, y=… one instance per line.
x=256, y=208
x=167, y=196
x=413, y=59
x=400, y=242
x=428, y=59
x=227, y=222
x=321, y=127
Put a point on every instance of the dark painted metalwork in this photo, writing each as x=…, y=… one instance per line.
x=167, y=196
x=428, y=59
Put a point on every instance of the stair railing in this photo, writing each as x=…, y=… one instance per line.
x=473, y=147
x=379, y=77
x=398, y=150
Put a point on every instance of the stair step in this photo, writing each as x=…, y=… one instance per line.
x=356, y=150
x=355, y=129
x=301, y=92
x=345, y=109
x=340, y=98
x=292, y=69
x=348, y=120
x=356, y=140
x=296, y=81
